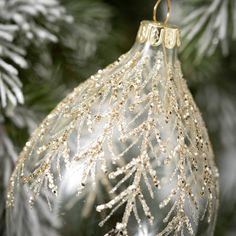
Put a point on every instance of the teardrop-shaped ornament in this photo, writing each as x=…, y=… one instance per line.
x=127, y=153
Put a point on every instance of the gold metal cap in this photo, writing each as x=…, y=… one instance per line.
x=157, y=33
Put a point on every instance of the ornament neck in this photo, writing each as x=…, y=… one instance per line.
x=156, y=34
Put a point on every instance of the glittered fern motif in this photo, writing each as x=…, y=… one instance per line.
x=135, y=130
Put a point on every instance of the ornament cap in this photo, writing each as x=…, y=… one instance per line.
x=157, y=34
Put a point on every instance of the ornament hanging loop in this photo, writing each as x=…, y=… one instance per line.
x=168, y=11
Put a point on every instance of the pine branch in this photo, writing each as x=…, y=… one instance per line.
x=10, y=57
x=23, y=22
x=208, y=25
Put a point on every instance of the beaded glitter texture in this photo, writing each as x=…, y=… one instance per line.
x=128, y=147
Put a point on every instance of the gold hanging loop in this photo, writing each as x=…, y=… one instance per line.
x=168, y=11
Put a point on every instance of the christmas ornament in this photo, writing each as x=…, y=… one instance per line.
x=127, y=153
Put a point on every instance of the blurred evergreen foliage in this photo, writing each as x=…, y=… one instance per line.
x=46, y=49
